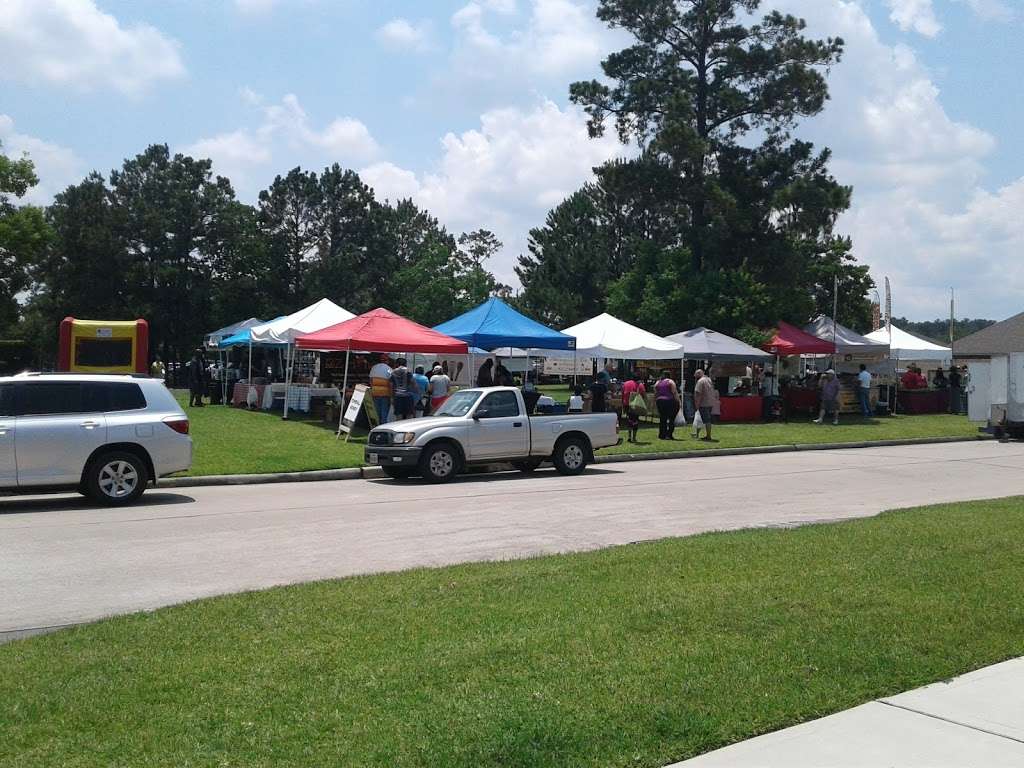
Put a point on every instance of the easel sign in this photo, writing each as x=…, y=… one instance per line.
x=360, y=402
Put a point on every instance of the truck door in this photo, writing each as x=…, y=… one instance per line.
x=501, y=431
x=8, y=467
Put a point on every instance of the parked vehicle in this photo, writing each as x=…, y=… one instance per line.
x=107, y=436
x=485, y=426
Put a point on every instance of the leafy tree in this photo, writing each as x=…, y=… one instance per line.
x=290, y=219
x=720, y=198
x=24, y=236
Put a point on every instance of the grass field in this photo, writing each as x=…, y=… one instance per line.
x=235, y=441
x=637, y=655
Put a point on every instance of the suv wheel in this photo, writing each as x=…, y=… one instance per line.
x=116, y=478
x=570, y=456
x=439, y=463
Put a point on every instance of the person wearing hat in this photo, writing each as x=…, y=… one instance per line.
x=439, y=388
x=829, y=398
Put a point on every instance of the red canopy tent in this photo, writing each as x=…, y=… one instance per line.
x=378, y=330
x=790, y=340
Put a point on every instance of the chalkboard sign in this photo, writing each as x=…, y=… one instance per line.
x=361, y=412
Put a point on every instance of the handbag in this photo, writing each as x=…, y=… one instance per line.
x=638, y=403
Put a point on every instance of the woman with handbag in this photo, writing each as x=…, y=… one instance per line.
x=634, y=404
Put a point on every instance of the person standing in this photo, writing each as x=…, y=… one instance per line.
x=196, y=377
x=502, y=376
x=440, y=384
x=404, y=388
x=422, y=385
x=667, y=400
x=864, y=391
x=598, y=395
x=955, y=389
x=485, y=376
x=703, y=400
x=633, y=388
x=380, y=388
x=575, y=403
x=158, y=370
x=829, y=398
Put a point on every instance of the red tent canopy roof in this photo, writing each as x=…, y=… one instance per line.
x=790, y=340
x=381, y=330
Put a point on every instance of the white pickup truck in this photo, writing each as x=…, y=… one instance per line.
x=487, y=426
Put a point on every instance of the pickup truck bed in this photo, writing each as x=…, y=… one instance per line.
x=485, y=426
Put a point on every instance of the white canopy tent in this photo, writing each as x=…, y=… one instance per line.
x=316, y=317
x=607, y=336
x=906, y=346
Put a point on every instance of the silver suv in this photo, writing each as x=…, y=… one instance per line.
x=106, y=436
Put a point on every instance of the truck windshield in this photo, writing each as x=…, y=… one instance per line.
x=459, y=403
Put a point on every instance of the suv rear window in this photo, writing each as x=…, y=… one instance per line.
x=40, y=398
x=112, y=396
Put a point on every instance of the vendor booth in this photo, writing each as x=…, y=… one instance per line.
x=322, y=314
x=379, y=330
x=908, y=351
x=798, y=391
x=852, y=351
x=724, y=352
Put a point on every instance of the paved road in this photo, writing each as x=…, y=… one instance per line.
x=63, y=562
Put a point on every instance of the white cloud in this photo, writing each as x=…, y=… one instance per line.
x=505, y=175
x=559, y=38
x=402, y=35
x=73, y=43
x=916, y=15
x=282, y=136
x=991, y=10
x=921, y=213
x=56, y=166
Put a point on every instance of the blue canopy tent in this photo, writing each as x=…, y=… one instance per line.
x=243, y=338
x=495, y=324
x=214, y=339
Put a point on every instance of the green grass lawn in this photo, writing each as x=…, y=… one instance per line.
x=637, y=655
x=236, y=441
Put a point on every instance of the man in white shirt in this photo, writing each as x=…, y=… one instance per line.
x=439, y=386
x=864, y=391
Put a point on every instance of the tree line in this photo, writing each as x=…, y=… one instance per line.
x=722, y=218
x=165, y=239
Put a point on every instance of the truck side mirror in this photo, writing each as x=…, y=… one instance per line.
x=480, y=413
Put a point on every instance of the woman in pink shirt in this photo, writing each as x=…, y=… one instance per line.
x=630, y=388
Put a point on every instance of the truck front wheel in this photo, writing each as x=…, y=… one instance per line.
x=439, y=463
x=570, y=456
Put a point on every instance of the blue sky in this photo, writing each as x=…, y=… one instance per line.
x=463, y=105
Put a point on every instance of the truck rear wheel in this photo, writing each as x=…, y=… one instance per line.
x=570, y=456
x=439, y=463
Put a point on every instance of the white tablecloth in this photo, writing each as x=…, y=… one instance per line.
x=298, y=396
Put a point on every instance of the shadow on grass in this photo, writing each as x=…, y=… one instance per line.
x=19, y=505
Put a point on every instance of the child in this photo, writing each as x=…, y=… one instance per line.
x=576, y=401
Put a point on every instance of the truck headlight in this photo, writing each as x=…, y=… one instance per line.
x=403, y=438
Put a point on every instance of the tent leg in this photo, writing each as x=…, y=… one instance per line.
x=287, y=381
x=344, y=389
x=248, y=387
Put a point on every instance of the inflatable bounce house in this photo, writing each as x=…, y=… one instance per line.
x=103, y=346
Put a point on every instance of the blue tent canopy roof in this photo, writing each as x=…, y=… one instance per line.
x=244, y=337
x=495, y=324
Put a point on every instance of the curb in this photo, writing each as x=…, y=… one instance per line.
x=376, y=473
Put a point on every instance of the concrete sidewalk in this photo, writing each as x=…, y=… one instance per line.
x=973, y=721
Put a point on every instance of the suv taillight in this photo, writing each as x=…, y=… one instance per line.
x=178, y=423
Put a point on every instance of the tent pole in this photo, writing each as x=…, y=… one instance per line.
x=248, y=388
x=344, y=389
x=287, y=381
